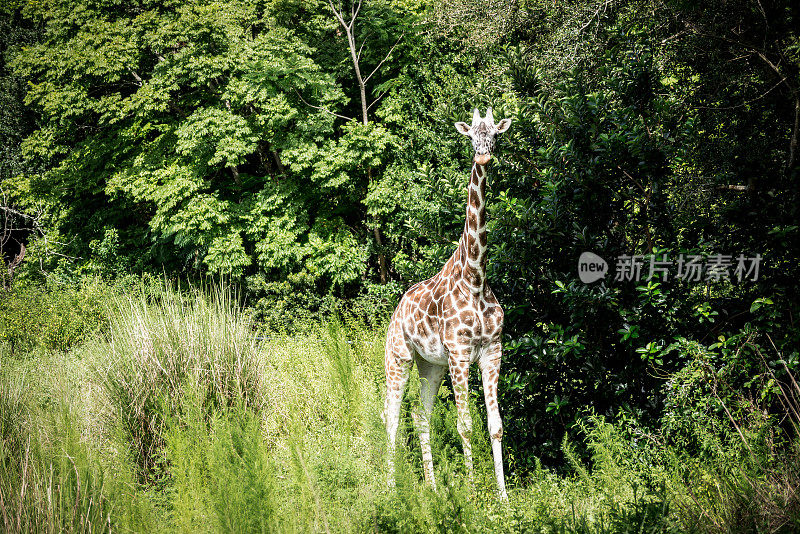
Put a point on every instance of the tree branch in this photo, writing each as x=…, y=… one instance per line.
x=361, y=48
x=136, y=76
x=603, y=7
x=733, y=187
x=337, y=14
x=783, y=79
x=326, y=110
x=746, y=102
x=376, y=100
x=796, y=96
x=793, y=140
x=18, y=213
x=389, y=53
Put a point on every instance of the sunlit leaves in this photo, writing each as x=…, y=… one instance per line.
x=335, y=253
x=189, y=108
x=279, y=225
x=226, y=254
x=339, y=162
x=216, y=137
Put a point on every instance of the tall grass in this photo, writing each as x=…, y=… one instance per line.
x=51, y=480
x=222, y=478
x=160, y=342
x=207, y=428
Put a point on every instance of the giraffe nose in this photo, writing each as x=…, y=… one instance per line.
x=482, y=159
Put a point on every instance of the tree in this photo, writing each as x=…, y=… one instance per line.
x=182, y=118
x=355, y=49
x=15, y=123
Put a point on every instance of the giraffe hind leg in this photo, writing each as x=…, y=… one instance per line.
x=398, y=366
x=430, y=379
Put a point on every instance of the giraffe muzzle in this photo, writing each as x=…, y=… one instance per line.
x=482, y=159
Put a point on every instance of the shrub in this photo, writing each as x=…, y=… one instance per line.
x=52, y=318
x=734, y=449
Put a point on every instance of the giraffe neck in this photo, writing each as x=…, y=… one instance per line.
x=472, y=246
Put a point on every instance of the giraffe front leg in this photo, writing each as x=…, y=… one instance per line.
x=398, y=368
x=490, y=374
x=459, y=373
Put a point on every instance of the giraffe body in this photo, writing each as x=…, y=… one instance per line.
x=450, y=321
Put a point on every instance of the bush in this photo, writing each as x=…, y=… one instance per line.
x=52, y=318
x=734, y=448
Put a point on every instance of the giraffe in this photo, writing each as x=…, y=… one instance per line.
x=449, y=322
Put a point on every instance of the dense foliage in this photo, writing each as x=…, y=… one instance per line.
x=232, y=138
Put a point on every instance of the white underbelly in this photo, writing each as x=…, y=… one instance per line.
x=436, y=353
x=433, y=351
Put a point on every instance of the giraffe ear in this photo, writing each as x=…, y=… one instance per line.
x=463, y=127
x=503, y=125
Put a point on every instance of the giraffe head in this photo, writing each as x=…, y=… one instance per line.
x=483, y=133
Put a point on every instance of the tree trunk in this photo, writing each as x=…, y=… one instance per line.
x=381, y=256
x=793, y=141
x=14, y=264
x=362, y=89
x=351, y=43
